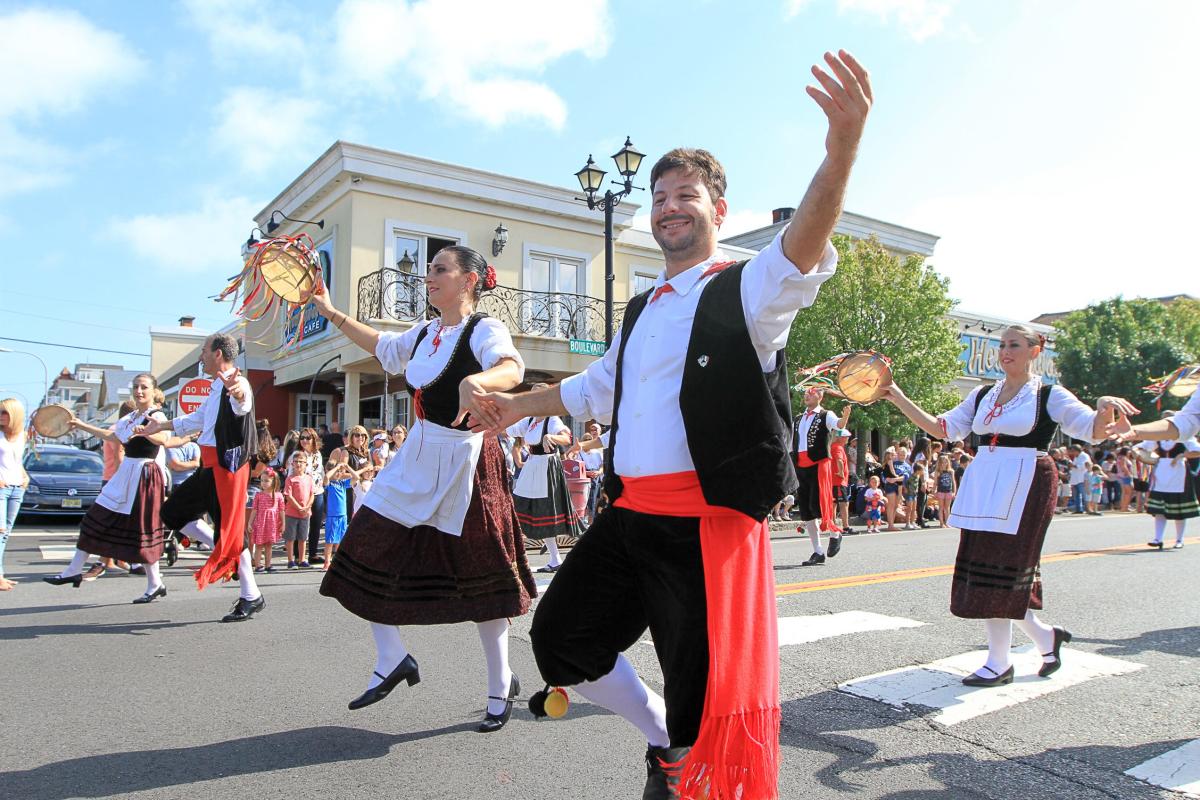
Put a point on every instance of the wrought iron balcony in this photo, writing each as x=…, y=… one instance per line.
x=390, y=294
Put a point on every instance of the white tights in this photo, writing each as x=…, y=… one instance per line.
x=1160, y=529
x=999, y=633
x=552, y=549
x=203, y=532
x=622, y=692
x=813, y=527
x=493, y=635
x=153, y=573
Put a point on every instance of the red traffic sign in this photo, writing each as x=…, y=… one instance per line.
x=192, y=394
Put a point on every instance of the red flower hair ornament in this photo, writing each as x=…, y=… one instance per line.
x=489, y=277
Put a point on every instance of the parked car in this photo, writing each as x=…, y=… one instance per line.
x=62, y=480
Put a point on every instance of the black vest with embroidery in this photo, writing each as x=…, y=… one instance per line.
x=1163, y=452
x=537, y=449
x=737, y=419
x=1039, y=436
x=439, y=398
x=817, y=444
x=140, y=446
x=237, y=437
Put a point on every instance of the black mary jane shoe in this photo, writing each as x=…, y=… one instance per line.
x=814, y=560
x=494, y=722
x=661, y=784
x=150, y=597
x=547, y=570
x=406, y=670
x=835, y=546
x=245, y=609
x=1050, y=667
x=1158, y=545
x=998, y=679
x=62, y=580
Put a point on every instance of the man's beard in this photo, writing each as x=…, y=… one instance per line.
x=684, y=245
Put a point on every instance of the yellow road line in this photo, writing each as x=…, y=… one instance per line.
x=945, y=569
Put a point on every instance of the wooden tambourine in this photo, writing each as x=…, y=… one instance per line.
x=52, y=421
x=861, y=377
x=290, y=269
x=280, y=276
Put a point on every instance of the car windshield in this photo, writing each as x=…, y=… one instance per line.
x=80, y=463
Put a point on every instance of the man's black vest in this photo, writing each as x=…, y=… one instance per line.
x=237, y=437
x=817, y=445
x=737, y=419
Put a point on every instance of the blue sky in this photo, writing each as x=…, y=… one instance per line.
x=1052, y=145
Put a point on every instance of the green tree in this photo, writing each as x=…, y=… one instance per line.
x=1115, y=347
x=897, y=306
x=1184, y=315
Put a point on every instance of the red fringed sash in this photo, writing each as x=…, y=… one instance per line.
x=824, y=488
x=736, y=754
x=231, y=494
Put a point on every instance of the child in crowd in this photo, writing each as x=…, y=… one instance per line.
x=872, y=503
x=947, y=487
x=912, y=487
x=783, y=509
x=298, y=494
x=266, y=520
x=338, y=479
x=1095, y=486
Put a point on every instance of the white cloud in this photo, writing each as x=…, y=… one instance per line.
x=921, y=19
x=263, y=130
x=249, y=29
x=208, y=238
x=479, y=57
x=27, y=164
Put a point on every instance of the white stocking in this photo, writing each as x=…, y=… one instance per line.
x=1041, y=634
x=76, y=565
x=389, y=649
x=1160, y=527
x=1180, y=524
x=153, y=577
x=813, y=526
x=999, y=635
x=623, y=692
x=552, y=548
x=493, y=635
x=249, y=586
x=199, y=530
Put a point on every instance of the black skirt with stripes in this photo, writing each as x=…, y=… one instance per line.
x=1174, y=505
x=137, y=537
x=388, y=573
x=998, y=575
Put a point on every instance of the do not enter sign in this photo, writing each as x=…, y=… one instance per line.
x=192, y=394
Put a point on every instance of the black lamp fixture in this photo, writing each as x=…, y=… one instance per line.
x=499, y=240
x=591, y=180
x=252, y=240
x=406, y=264
x=272, y=225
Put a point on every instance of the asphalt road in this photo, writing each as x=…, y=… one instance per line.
x=107, y=699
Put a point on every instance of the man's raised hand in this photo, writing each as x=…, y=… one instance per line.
x=846, y=101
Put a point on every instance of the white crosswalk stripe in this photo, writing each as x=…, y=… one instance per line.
x=1177, y=770
x=939, y=684
x=804, y=630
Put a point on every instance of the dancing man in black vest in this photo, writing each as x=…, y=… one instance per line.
x=696, y=388
x=811, y=437
x=225, y=422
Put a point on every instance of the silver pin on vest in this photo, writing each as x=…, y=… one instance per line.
x=702, y=361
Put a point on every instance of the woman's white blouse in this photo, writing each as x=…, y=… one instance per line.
x=530, y=429
x=11, y=471
x=490, y=342
x=1074, y=417
x=1187, y=419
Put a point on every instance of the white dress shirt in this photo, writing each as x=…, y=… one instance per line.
x=204, y=419
x=805, y=421
x=1187, y=419
x=652, y=439
x=1016, y=419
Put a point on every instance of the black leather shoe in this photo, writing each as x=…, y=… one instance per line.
x=150, y=597
x=1050, y=667
x=245, y=609
x=660, y=784
x=61, y=580
x=998, y=679
x=1159, y=545
x=138, y=570
x=406, y=670
x=813, y=560
x=835, y=546
x=171, y=551
x=494, y=722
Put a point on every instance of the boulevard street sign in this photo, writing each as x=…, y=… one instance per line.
x=586, y=347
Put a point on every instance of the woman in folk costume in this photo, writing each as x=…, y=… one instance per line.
x=1007, y=497
x=124, y=522
x=540, y=492
x=437, y=540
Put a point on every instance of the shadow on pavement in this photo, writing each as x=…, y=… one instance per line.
x=16, y=611
x=119, y=628
x=118, y=774
x=1172, y=641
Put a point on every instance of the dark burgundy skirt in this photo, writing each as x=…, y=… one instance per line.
x=136, y=537
x=997, y=575
x=387, y=573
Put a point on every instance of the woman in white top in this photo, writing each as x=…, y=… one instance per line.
x=540, y=492
x=1007, y=497
x=124, y=522
x=1172, y=492
x=13, y=478
x=437, y=539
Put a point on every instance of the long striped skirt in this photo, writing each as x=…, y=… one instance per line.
x=137, y=537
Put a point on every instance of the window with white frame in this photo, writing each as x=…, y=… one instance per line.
x=552, y=275
x=641, y=279
x=408, y=249
x=401, y=410
x=311, y=412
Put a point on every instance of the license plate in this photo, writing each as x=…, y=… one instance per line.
x=72, y=502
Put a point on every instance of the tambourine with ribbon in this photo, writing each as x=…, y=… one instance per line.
x=1180, y=383
x=281, y=274
x=52, y=421
x=860, y=377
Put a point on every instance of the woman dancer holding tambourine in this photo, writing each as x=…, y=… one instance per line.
x=437, y=539
x=1007, y=497
x=123, y=523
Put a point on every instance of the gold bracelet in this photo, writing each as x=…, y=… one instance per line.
x=339, y=325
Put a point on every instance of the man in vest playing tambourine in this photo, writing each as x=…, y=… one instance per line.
x=696, y=390
x=812, y=436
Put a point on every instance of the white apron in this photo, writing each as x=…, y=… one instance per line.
x=430, y=480
x=994, y=490
x=533, y=482
x=120, y=490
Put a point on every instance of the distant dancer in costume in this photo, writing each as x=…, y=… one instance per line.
x=1007, y=497
x=1172, y=491
x=437, y=539
x=812, y=437
x=540, y=492
x=228, y=437
x=124, y=522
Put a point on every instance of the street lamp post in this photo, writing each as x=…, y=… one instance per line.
x=45, y=371
x=591, y=179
